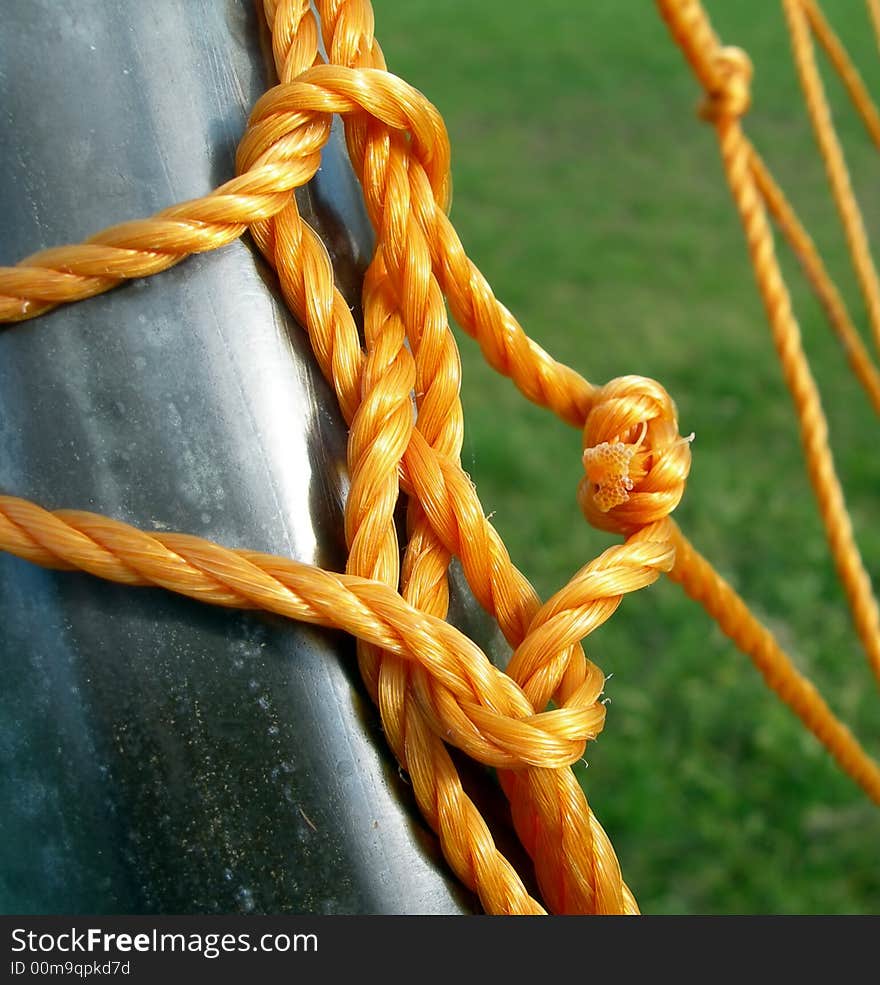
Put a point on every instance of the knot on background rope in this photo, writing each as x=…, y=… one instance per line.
x=730, y=97
x=635, y=460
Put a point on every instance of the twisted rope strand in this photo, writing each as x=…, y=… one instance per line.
x=187, y=565
x=874, y=11
x=703, y=584
x=379, y=435
x=848, y=73
x=857, y=354
x=724, y=107
x=800, y=15
x=137, y=249
x=404, y=251
x=432, y=555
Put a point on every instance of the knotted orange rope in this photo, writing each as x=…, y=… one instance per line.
x=433, y=687
x=725, y=75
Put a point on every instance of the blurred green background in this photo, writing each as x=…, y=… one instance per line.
x=592, y=198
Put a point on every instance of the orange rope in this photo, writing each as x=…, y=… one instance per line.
x=433, y=687
x=805, y=250
x=403, y=259
x=472, y=704
x=874, y=11
x=500, y=587
x=848, y=73
x=694, y=573
x=800, y=16
x=724, y=106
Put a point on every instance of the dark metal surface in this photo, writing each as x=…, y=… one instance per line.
x=157, y=755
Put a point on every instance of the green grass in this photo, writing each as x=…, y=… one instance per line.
x=592, y=198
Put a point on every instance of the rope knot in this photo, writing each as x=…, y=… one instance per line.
x=732, y=96
x=635, y=460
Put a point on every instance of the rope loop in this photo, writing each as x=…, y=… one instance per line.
x=731, y=97
x=635, y=460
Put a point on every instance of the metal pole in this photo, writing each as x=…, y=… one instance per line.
x=157, y=755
